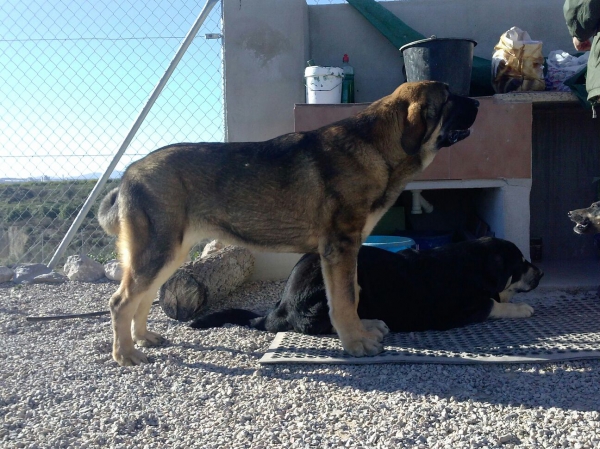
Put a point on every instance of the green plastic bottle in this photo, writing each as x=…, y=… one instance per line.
x=348, y=81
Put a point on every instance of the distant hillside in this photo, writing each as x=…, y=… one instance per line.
x=34, y=217
x=84, y=177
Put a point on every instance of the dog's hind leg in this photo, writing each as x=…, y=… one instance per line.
x=129, y=308
x=123, y=305
x=510, y=310
x=141, y=335
x=338, y=262
x=147, y=264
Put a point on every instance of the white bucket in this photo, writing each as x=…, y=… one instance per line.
x=323, y=84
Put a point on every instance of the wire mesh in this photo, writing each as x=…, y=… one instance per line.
x=73, y=77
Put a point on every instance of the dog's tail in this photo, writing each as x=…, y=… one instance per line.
x=108, y=212
x=240, y=317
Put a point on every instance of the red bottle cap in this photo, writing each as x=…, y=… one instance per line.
x=345, y=58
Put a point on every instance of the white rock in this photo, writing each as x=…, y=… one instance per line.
x=211, y=248
x=49, y=278
x=507, y=438
x=25, y=273
x=82, y=268
x=113, y=270
x=6, y=274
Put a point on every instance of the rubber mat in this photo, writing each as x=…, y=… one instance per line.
x=565, y=326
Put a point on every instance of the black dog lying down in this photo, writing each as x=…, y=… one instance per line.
x=440, y=288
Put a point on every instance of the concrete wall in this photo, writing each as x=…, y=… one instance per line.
x=267, y=42
x=265, y=52
x=339, y=29
x=506, y=210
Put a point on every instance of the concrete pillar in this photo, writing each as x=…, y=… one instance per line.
x=265, y=52
x=506, y=210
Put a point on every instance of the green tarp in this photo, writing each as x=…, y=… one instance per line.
x=577, y=85
x=399, y=34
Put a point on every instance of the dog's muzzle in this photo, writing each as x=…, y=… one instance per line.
x=581, y=223
x=463, y=119
x=538, y=275
x=458, y=135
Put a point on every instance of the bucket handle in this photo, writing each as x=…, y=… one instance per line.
x=321, y=90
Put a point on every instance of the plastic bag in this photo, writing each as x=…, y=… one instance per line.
x=517, y=63
x=562, y=66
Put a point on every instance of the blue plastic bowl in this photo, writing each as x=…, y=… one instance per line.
x=391, y=243
x=429, y=239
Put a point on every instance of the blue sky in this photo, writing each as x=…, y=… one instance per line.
x=75, y=74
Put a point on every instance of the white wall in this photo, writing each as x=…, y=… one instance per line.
x=339, y=29
x=265, y=52
x=267, y=42
x=506, y=209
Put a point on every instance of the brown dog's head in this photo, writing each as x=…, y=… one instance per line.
x=433, y=117
x=587, y=220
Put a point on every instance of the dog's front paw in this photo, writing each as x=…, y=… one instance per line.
x=510, y=310
x=367, y=345
x=131, y=358
x=149, y=339
x=361, y=342
x=523, y=310
x=378, y=327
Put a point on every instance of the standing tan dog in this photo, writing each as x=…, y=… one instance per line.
x=318, y=191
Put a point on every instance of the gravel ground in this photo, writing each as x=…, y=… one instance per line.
x=60, y=388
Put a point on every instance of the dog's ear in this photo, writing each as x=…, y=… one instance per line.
x=414, y=129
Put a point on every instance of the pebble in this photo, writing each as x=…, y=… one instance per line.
x=506, y=438
x=206, y=389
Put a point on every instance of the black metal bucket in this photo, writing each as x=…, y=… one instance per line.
x=440, y=59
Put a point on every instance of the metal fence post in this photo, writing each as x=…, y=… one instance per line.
x=155, y=93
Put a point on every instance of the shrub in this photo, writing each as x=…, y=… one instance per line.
x=103, y=257
x=17, y=214
x=51, y=210
x=67, y=210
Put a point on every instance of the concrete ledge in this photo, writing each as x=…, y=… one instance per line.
x=499, y=145
x=536, y=97
x=456, y=184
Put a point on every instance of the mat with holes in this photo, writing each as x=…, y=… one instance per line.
x=565, y=326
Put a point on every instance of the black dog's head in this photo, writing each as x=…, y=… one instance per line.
x=587, y=221
x=509, y=268
x=524, y=278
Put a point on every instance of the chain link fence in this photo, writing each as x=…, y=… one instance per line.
x=73, y=78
